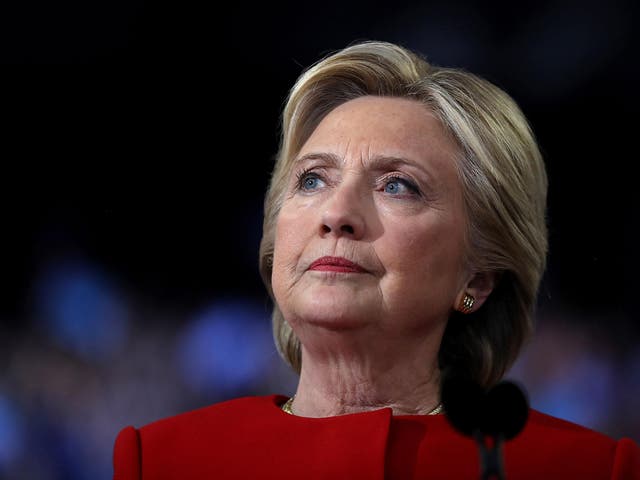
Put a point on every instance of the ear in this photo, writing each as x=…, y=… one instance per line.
x=479, y=286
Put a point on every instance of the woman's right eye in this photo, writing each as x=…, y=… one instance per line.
x=309, y=181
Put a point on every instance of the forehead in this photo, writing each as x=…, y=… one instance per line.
x=381, y=126
x=382, y=122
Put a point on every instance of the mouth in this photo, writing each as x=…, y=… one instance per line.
x=336, y=264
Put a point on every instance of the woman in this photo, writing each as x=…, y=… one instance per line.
x=404, y=237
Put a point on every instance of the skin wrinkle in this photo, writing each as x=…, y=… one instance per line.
x=351, y=392
x=371, y=340
x=348, y=396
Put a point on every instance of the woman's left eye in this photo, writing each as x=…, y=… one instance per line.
x=400, y=186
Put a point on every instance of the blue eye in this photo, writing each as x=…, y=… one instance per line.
x=400, y=186
x=309, y=181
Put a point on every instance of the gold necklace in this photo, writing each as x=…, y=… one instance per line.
x=286, y=407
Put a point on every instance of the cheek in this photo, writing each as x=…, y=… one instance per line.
x=278, y=271
x=433, y=250
x=291, y=240
x=281, y=248
x=288, y=247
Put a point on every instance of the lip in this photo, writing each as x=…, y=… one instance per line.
x=336, y=264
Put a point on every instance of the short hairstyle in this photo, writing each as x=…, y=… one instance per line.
x=503, y=180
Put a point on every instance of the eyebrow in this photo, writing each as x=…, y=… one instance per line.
x=376, y=162
x=327, y=157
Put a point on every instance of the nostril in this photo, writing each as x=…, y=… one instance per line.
x=338, y=229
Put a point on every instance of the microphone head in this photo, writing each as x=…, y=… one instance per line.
x=507, y=410
x=501, y=411
x=463, y=403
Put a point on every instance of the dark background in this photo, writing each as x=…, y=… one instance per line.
x=137, y=145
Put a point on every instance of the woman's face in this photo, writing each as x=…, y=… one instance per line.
x=371, y=231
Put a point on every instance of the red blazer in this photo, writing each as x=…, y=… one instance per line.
x=251, y=438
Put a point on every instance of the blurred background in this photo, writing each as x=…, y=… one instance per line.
x=137, y=145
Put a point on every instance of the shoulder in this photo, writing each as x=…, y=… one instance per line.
x=556, y=434
x=184, y=445
x=542, y=423
x=577, y=451
x=234, y=413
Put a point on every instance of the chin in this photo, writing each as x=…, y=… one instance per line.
x=333, y=307
x=335, y=324
x=334, y=316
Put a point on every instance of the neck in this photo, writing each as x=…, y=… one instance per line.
x=408, y=383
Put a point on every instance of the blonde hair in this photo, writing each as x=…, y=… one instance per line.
x=504, y=186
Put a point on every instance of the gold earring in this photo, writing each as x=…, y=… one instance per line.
x=466, y=304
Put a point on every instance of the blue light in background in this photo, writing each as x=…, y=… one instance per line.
x=81, y=309
x=581, y=394
x=12, y=433
x=227, y=348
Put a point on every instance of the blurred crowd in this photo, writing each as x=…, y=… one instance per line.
x=95, y=359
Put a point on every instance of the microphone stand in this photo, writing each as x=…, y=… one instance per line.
x=490, y=417
x=491, y=459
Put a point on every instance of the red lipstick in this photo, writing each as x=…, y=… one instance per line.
x=336, y=264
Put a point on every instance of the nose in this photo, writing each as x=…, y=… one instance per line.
x=343, y=214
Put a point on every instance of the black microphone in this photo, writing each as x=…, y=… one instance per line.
x=489, y=416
